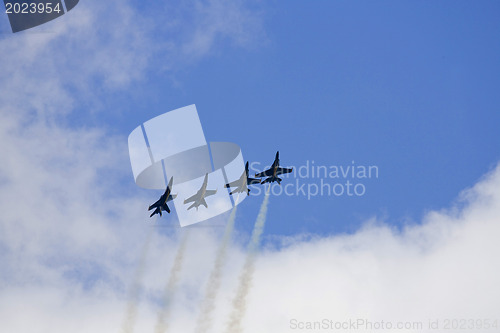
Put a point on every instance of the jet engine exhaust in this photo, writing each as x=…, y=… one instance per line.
x=162, y=324
x=204, y=321
x=135, y=290
x=239, y=302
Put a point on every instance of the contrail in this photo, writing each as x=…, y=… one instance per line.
x=135, y=290
x=161, y=324
x=239, y=302
x=204, y=321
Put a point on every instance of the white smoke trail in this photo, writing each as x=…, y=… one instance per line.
x=204, y=321
x=161, y=324
x=135, y=290
x=239, y=301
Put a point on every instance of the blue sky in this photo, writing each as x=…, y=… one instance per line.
x=409, y=87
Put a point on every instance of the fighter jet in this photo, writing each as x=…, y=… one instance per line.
x=242, y=183
x=161, y=204
x=199, y=197
x=274, y=171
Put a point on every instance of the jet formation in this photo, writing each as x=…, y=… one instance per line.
x=241, y=184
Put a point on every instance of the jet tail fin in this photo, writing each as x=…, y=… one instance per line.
x=156, y=211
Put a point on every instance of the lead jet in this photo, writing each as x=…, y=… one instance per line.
x=274, y=171
x=242, y=183
x=161, y=204
x=199, y=198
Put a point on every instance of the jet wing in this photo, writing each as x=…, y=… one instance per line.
x=156, y=204
x=281, y=171
x=267, y=180
x=210, y=192
x=251, y=181
x=236, y=183
x=191, y=198
x=267, y=173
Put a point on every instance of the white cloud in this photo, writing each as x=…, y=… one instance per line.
x=444, y=268
x=110, y=45
x=225, y=19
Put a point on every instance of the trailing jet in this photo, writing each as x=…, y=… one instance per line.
x=199, y=197
x=274, y=171
x=242, y=183
x=161, y=204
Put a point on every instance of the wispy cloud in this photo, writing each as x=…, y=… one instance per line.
x=219, y=20
x=106, y=46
